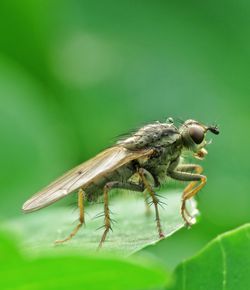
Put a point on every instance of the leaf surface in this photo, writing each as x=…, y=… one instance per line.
x=224, y=264
x=68, y=270
x=133, y=229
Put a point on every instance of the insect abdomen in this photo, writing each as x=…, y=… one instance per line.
x=95, y=189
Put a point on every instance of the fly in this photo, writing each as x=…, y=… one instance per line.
x=139, y=163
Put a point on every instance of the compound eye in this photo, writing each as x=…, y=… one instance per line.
x=197, y=134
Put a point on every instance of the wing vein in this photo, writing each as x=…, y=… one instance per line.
x=82, y=175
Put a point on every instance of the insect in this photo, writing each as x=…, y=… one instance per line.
x=152, y=154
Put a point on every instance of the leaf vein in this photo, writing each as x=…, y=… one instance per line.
x=224, y=264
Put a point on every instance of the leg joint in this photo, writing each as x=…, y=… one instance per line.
x=110, y=185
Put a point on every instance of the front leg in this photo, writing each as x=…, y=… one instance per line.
x=182, y=173
x=189, y=168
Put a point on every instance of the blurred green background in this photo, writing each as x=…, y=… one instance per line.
x=75, y=74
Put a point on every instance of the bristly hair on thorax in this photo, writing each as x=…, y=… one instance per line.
x=131, y=132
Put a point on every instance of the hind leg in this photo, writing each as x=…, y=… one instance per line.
x=109, y=186
x=81, y=197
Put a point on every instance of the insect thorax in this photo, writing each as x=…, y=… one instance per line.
x=165, y=139
x=158, y=164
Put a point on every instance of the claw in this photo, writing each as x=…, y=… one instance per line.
x=188, y=219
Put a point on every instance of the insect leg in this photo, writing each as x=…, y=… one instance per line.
x=188, y=168
x=147, y=205
x=107, y=220
x=107, y=188
x=81, y=197
x=143, y=173
x=190, y=190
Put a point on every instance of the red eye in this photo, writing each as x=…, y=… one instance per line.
x=197, y=134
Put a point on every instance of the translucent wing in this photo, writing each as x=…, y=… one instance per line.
x=82, y=175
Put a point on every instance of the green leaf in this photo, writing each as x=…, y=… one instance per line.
x=73, y=270
x=224, y=264
x=132, y=230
